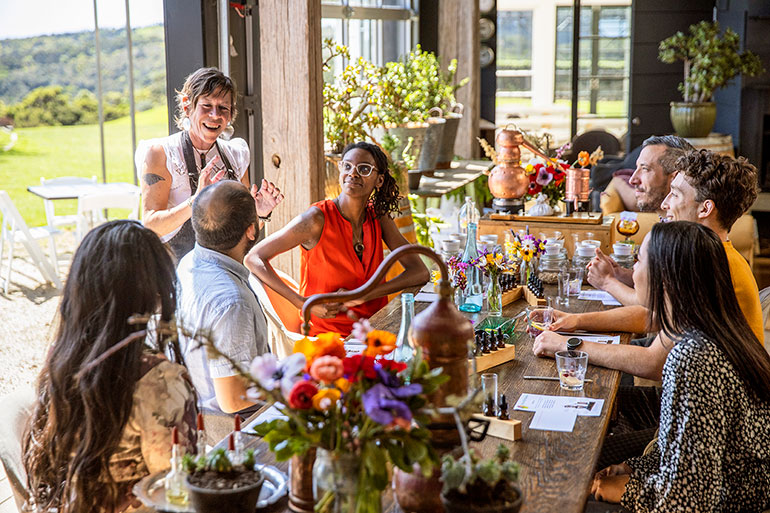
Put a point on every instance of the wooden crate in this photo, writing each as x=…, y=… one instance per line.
x=493, y=359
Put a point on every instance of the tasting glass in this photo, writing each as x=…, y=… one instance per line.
x=572, y=366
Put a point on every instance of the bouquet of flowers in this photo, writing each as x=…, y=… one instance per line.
x=457, y=273
x=363, y=405
x=493, y=265
x=526, y=247
x=547, y=177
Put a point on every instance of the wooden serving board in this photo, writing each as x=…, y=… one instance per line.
x=591, y=218
x=493, y=359
x=512, y=295
x=505, y=429
x=533, y=299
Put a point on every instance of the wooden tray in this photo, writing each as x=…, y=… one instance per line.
x=592, y=218
x=512, y=295
x=505, y=429
x=493, y=359
x=533, y=299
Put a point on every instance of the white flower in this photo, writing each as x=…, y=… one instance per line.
x=272, y=373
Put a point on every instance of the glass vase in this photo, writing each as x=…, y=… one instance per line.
x=495, y=296
x=335, y=483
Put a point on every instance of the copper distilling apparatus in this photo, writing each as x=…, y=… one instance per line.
x=444, y=335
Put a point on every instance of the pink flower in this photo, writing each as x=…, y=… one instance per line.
x=301, y=396
x=361, y=330
x=326, y=369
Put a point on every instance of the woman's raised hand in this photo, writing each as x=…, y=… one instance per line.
x=267, y=197
x=205, y=179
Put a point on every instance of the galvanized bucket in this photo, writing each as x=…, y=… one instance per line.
x=430, y=147
x=415, y=131
x=446, y=150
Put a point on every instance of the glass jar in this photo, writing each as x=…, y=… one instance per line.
x=583, y=255
x=623, y=254
x=551, y=265
x=335, y=483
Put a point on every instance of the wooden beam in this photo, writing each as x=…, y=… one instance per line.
x=458, y=38
x=292, y=126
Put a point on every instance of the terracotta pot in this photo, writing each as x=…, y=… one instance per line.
x=693, y=119
x=301, y=482
x=418, y=494
x=208, y=500
x=513, y=507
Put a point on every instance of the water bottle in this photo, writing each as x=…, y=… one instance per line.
x=473, y=296
x=404, y=351
x=468, y=213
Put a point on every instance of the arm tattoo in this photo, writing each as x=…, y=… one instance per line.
x=152, y=178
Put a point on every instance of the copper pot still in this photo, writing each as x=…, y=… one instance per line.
x=508, y=180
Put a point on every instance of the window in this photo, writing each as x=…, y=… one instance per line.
x=604, y=59
x=514, y=58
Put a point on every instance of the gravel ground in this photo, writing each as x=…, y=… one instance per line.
x=27, y=314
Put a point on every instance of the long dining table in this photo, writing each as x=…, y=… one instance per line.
x=556, y=467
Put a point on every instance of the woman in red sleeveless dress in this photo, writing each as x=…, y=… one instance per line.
x=342, y=243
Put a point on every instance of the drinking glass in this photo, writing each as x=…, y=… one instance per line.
x=539, y=319
x=575, y=280
x=489, y=392
x=564, y=288
x=572, y=367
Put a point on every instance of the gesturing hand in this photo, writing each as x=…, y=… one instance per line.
x=601, y=269
x=327, y=310
x=266, y=198
x=548, y=342
x=205, y=179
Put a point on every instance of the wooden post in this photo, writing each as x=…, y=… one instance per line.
x=292, y=126
x=458, y=38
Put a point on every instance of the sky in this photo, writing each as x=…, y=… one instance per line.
x=20, y=18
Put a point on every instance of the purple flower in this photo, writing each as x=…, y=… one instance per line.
x=393, y=383
x=271, y=373
x=543, y=177
x=382, y=407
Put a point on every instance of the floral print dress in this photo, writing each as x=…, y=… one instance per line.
x=713, y=451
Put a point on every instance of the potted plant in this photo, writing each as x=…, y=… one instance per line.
x=217, y=484
x=481, y=486
x=710, y=62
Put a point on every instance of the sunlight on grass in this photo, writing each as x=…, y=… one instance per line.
x=72, y=151
x=604, y=108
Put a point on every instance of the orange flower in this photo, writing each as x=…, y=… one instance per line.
x=343, y=385
x=326, y=398
x=327, y=344
x=584, y=159
x=379, y=342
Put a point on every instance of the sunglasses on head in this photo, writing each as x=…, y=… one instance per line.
x=363, y=168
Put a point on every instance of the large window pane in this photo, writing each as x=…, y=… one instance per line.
x=514, y=57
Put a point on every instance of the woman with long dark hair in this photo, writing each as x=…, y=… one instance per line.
x=341, y=241
x=712, y=453
x=95, y=432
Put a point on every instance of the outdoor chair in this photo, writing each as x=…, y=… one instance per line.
x=50, y=213
x=91, y=207
x=283, y=322
x=15, y=229
x=17, y=409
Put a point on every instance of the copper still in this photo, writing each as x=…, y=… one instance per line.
x=508, y=181
x=577, y=186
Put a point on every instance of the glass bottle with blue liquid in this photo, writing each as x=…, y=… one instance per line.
x=473, y=295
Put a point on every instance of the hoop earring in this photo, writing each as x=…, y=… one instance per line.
x=186, y=125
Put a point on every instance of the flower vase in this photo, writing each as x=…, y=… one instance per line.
x=495, y=296
x=335, y=483
x=301, y=490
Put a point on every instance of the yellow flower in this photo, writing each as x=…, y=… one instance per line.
x=435, y=276
x=328, y=344
x=490, y=258
x=343, y=385
x=499, y=259
x=584, y=159
x=379, y=342
x=326, y=398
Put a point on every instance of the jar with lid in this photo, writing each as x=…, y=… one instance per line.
x=623, y=254
x=583, y=255
x=551, y=263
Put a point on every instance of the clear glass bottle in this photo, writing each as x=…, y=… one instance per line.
x=623, y=254
x=583, y=256
x=551, y=265
x=176, y=489
x=473, y=297
x=404, y=351
x=468, y=214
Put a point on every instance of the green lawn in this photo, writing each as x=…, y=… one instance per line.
x=72, y=151
x=605, y=108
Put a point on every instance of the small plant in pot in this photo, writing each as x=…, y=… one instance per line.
x=481, y=486
x=218, y=485
x=710, y=62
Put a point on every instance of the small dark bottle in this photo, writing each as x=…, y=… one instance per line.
x=503, y=415
x=489, y=406
x=485, y=343
x=500, y=341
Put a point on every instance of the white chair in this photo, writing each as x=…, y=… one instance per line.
x=14, y=228
x=92, y=205
x=50, y=213
x=17, y=408
x=283, y=321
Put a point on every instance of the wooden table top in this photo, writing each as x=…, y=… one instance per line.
x=444, y=181
x=556, y=468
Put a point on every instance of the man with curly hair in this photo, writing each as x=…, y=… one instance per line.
x=342, y=243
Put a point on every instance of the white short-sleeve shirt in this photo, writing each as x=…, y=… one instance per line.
x=236, y=150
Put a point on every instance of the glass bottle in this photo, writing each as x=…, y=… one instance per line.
x=494, y=296
x=176, y=489
x=335, y=483
x=404, y=351
x=201, y=443
x=583, y=255
x=468, y=214
x=473, y=297
x=623, y=254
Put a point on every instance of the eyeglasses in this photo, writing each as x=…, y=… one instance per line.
x=363, y=168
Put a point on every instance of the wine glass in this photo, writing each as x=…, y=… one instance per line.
x=628, y=226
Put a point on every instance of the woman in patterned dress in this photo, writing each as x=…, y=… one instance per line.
x=95, y=432
x=712, y=453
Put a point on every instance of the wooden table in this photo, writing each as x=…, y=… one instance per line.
x=556, y=468
x=460, y=174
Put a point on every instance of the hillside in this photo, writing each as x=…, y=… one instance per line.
x=69, y=60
